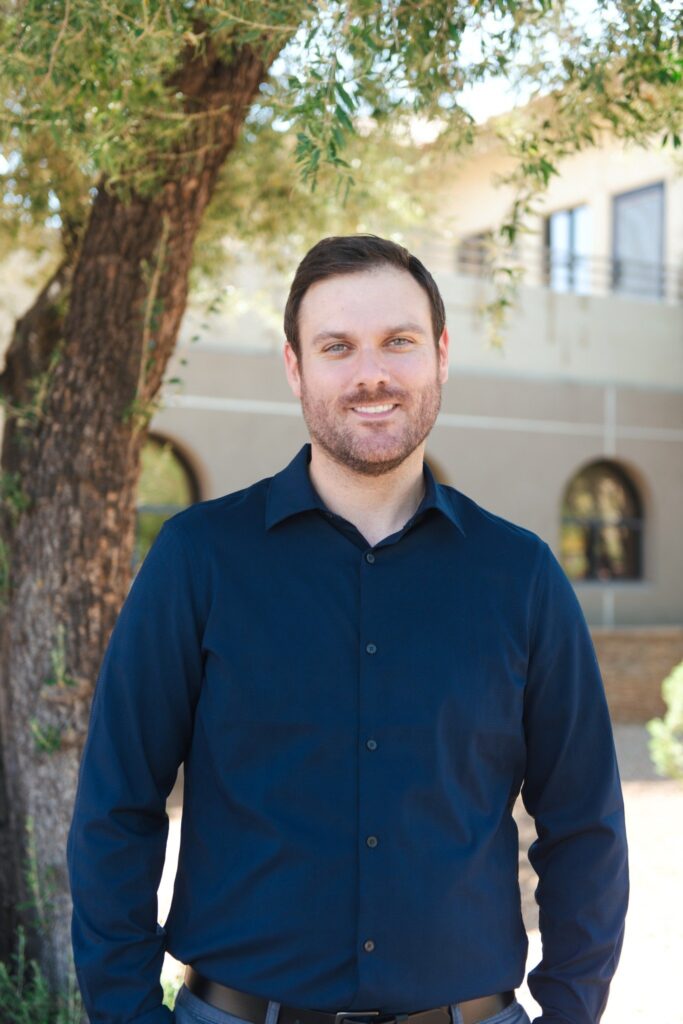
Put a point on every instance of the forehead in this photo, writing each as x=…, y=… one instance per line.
x=367, y=299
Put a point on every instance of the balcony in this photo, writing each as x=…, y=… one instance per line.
x=566, y=271
x=578, y=318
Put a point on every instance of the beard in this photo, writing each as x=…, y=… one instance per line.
x=372, y=448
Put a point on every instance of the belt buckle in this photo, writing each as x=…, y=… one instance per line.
x=376, y=1015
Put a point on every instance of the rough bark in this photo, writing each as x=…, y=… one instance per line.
x=97, y=341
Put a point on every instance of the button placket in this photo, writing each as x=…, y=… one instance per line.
x=370, y=918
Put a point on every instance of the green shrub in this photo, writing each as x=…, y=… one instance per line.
x=25, y=997
x=666, y=733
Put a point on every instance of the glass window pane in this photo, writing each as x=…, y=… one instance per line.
x=473, y=254
x=569, y=245
x=601, y=525
x=582, y=249
x=559, y=239
x=639, y=242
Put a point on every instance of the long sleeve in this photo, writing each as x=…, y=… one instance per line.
x=140, y=727
x=572, y=790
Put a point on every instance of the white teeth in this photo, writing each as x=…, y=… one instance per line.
x=373, y=408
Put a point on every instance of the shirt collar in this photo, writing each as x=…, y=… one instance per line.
x=291, y=491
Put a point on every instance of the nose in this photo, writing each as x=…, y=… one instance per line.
x=369, y=368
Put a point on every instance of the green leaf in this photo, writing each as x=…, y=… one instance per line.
x=342, y=116
x=345, y=98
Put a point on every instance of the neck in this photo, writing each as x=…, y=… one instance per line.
x=376, y=505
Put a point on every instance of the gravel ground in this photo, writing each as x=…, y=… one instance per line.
x=645, y=989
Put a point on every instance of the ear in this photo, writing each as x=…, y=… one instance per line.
x=442, y=352
x=292, y=369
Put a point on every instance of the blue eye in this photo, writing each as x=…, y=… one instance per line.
x=341, y=345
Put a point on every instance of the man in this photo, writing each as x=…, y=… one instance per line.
x=360, y=669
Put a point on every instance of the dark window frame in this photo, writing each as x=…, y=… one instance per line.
x=576, y=261
x=475, y=245
x=594, y=524
x=658, y=186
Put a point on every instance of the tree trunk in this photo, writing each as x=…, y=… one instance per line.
x=79, y=388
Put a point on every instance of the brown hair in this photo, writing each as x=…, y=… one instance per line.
x=351, y=254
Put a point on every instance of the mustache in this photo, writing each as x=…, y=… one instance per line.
x=380, y=397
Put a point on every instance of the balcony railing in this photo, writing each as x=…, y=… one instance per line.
x=582, y=275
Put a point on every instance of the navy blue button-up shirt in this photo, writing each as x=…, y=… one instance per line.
x=356, y=722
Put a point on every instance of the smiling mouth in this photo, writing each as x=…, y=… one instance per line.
x=375, y=412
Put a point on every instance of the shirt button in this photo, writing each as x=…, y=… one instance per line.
x=368, y=945
x=370, y=557
x=370, y=648
x=371, y=744
x=371, y=841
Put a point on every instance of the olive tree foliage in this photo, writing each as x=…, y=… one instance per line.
x=89, y=103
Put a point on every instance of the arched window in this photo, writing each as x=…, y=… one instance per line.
x=167, y=485
x=602, y=525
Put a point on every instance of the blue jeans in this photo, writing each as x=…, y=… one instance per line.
x=189, y=1009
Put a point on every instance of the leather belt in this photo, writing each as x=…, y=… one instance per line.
x=253, y=1008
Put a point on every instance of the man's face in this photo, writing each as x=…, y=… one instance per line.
x=366, y=343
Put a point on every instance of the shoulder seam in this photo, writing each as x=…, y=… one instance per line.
x=491, y=516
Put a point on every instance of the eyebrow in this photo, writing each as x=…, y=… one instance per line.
x=405, y=328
